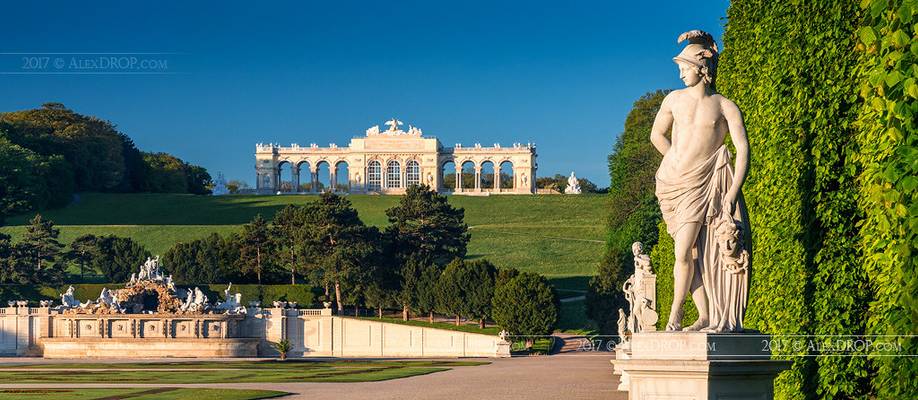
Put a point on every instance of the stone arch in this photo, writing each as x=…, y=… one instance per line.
x=506, y=176
x=323, y=176
x=303, y=177
x=486, y=174
x=412, y=172
x=342, y=181
x=374, y=175
x=393, y=174
x=285, y=181
x=468, y=174
x=448, y=175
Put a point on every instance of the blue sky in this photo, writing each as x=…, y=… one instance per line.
x=560, y=74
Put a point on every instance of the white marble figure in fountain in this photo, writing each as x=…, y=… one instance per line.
x=233, y=303
x=573, y=185
x=67, y=299
x=105, y=297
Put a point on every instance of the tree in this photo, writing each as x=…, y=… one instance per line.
x=255, y=247
x=41, y=247
x=92, y=146
x=235, y=185
x=198, y=179
x=213, y=259
x=30, y=181
x=526, y=305
x=9, y=273
x=409, y=279
x=287, y=231
x=425, y=225
x=336, y=242
x=117, y=257
x=450, y=298
x=478, y=289
x=426, y=291
x=165, y=173
x=82, y=251
x=634, y=212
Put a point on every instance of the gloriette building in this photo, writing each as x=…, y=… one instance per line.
x=388, y=161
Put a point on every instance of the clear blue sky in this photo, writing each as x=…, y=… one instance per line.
x=560, y=74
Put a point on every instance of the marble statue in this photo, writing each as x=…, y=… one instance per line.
x=233, y=302
x=699, y=191
x=573, y=185
x=219, y=186
x=641, y=293
x=105, y=297
x=503, y=335
x=67, y=299
x=622, y=327
x=393, y=125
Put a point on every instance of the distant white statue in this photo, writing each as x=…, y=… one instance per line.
x=573, y=185
x=220, y=186
x=374, y=130
x=393, y=125
x=67, y=299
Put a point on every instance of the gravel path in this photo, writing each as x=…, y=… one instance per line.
x=574, y=376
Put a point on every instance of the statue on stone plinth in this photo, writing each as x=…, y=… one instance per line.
x=573, y=185
x=699, y=192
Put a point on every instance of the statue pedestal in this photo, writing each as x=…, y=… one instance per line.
x=697, y=365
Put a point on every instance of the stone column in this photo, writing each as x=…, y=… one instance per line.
x=332, y=180
x=477, y=178
x=496, y=187
x=314, y=177
x=296, y=178
x=458, y=178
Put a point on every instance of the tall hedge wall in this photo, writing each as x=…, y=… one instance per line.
x=888, y=157
x=828, y=91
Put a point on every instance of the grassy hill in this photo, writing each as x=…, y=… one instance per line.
x=560, y=237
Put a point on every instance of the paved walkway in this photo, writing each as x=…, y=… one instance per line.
x=574, y=376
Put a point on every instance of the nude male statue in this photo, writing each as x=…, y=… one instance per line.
x=698, y=190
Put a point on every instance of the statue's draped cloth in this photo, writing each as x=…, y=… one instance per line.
x=696, y=196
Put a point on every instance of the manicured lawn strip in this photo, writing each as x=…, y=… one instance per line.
x=465, y=327
x=329, y=374
x=294, y=364
x=140, y=394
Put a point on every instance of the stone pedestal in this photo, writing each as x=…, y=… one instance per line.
x=697, y=365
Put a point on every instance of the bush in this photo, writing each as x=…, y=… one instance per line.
x=526, y=305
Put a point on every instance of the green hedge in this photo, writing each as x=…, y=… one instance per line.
x=888, y=154
x=828, y=90
x=304, y=295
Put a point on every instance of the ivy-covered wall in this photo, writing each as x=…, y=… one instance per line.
x=828, y=91
x=887, y=179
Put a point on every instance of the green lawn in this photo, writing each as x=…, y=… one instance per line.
x=139, y=394
x=227, y=371
x=558, y=236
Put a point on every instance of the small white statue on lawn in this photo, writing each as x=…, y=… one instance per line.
x=573, y=185
x=67, y=299
x=220, y=186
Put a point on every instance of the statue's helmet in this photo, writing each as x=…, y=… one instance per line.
x=701, y=53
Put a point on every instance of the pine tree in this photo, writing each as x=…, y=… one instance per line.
x=450, y=298
x=40, y=248
x=255, y=247
x=287, y=230
x=337, y=243
x=82, y=251
x=425, y=225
